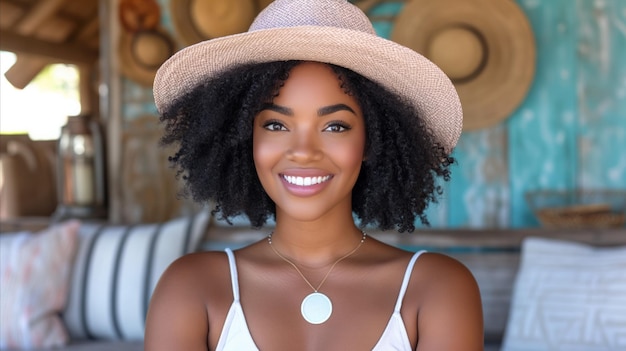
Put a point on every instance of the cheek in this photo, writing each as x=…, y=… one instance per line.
x=354, y=158
x=350, y=154
x=264, y=153
x=258, y=152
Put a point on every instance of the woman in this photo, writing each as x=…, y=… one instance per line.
x=277, y=123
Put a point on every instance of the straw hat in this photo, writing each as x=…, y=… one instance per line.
x=485, y=46
x=198, y=20
x=331, y=31
x=142, y=52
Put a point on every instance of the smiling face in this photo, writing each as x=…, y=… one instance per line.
x=308, y=145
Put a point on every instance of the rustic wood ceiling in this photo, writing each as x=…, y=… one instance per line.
x=41, y=32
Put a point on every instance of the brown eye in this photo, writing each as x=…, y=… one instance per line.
x=336, y=127
x=274, y=126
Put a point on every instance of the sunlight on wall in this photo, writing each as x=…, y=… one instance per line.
x=40, y=109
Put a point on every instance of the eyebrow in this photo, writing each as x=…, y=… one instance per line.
x=327, y=110
x=277, y=108
x=323, y=111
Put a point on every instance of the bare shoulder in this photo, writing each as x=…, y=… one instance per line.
x=449, y=303
x=202, y=276
x=209, y=265
x=192, y=289
x=441, y=271
x=439, y=276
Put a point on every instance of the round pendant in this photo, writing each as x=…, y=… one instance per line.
x=316, y=308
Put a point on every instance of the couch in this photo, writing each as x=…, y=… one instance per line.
x=85, y=285
x=497, y=258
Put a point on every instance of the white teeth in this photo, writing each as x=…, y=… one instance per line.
x=305, y=181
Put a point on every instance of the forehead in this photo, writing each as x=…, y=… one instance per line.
x=313, y=82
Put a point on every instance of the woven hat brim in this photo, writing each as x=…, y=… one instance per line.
x=396, y=67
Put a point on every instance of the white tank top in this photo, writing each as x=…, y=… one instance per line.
x=236, y=336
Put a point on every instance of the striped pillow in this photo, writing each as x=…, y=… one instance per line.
x=116, y=270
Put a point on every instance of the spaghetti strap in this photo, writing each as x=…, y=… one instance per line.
x=233, y=273
x=405, y=281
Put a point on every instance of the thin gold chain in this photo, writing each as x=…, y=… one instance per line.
x=269, y=240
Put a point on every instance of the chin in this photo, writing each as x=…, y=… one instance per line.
x=308, y=212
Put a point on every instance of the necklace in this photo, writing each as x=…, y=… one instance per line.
x=316, y=307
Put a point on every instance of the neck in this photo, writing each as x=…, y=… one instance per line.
x=315, y=245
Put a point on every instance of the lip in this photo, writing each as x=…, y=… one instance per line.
x=306, y=190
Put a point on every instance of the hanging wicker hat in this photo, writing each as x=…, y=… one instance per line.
x=198, y=20
x=142, y=52
x=486, y=47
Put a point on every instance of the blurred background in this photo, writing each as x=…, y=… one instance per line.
x=543, y=86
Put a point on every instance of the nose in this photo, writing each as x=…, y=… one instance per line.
x=305, y=147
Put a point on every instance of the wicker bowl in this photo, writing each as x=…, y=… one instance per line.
x=579, y=208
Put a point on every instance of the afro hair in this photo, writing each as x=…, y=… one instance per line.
x=212, y=129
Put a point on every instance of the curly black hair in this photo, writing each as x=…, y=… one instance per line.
x=212, y=127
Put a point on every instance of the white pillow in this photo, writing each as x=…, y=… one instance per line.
x=568, y=296
x=117, y=268
x=35, y=270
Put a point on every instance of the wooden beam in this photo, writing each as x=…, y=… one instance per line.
x=56, y=52
x=89, y=29
x=25, y=69
x=38, y=14
x=10, y=14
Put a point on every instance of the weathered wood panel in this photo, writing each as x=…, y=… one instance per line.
x=149, y=185
x=602, y=93
x=542, y=132
x=479, y=191
x=571, y=131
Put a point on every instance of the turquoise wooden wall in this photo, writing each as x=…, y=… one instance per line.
x=570, y=132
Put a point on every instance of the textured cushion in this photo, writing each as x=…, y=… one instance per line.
x=35, y=270
x=568, y=296
x=116, y=270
